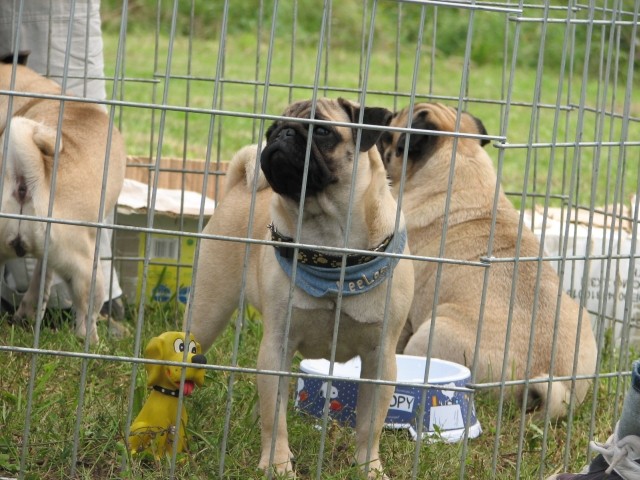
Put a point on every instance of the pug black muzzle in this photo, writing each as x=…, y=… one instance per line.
x=283, y=159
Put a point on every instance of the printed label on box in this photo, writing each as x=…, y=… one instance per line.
x=598, y=269
x=170, y=268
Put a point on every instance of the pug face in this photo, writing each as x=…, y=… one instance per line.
x=426, y=116
x=332, y=147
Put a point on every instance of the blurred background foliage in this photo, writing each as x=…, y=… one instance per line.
x=445, y=28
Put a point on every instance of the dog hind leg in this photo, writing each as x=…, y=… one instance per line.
x=87, y=320
x=539, y=396
x=78, y=272
x=27, y=308
x=453, y=340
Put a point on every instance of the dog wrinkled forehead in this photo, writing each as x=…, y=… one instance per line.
x=301, y=109
x=439, y=117
x=324, y=108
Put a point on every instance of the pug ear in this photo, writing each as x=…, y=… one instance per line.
x=383, y=142
x=481, y=129
x=418, y=144
x=22, y=57
x=154, y=351
x=371, y=116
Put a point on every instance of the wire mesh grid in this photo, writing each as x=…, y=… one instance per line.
x=189, y=84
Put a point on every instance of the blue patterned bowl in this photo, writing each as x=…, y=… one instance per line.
x=445, y=409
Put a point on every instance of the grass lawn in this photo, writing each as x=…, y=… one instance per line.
x=292, y=75
x=100, y=453
x=146, y=120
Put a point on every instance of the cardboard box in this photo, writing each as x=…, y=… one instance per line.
x=178, y=174
x=177, y=207
x=599, y=267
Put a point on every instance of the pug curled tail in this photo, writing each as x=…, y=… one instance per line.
x=242, y=168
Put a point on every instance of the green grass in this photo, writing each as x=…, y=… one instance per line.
x=187, y=134
x=445, y=29
x=104, y=413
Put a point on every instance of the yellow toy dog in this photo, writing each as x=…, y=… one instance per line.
x=154, y=428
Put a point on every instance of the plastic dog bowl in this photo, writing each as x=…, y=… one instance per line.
x=445, y=409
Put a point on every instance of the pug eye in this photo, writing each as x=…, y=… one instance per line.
x=192, y=347
x=399, y=150
x=321, y=131
x=178, y=345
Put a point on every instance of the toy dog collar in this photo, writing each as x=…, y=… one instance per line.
x=166, y=391
x=319, y=281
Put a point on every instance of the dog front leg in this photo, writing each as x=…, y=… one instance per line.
x=27, y=308
x=369, y=422
x=269, y=386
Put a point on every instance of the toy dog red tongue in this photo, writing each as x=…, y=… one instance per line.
x=189, y=386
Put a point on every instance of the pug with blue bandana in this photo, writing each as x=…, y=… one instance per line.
x=315, y=186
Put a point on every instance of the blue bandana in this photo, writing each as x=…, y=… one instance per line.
x=322, y=281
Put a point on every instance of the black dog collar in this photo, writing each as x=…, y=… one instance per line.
x=166, y=391
x=317, y=258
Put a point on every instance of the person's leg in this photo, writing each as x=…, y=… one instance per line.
x=629, y=423
x=619, y=457
x=44, y=31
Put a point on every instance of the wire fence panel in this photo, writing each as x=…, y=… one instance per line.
x=500, y=147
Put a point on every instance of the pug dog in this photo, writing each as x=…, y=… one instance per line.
x=345, y=179
x=471, y=192
x=29, y=132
